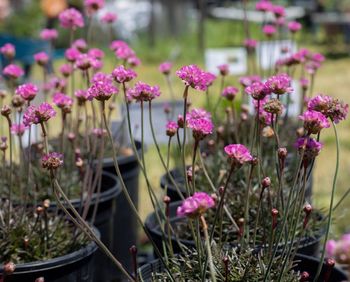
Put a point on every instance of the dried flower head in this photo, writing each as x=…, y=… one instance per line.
x=274, y=106
x=52, y=160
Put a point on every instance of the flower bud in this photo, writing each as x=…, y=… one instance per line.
x=5, y=111
x=71, y=136
x=274, y=106
x=304, y=276
x=300, y=132
x=39, y=210
x=166, y=199
x=266, y=182
x=133, y=250
x=17, y=101
x=46, y=203
x=274, y=213
x=180, y=121
x=79, y=162
x=9, y=268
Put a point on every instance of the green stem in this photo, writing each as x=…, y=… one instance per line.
x=207, y=244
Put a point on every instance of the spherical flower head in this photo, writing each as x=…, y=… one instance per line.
x=224, y=69
x=304, y=83
x=279, y=84
x=280, y=21
x=264, y=6
x=94, y=5
x=294, y=26
x=134, y=61
x=48, y=34
x=279, y=11
x=100, y=76
x=84, y=62
x=96, y=53
x=109, y=18
x=238, y=153
x=209, y=78
x=27, y=91
x=171, y=128
x=71, y=18
x=250, y=44
x=82, y=96
x=80, y=44
x=66, y=70
x=41, y=58
x=314, y=121
x=257, y=90
x=122, y=75
x=38, y=114
x=274, y=106
x=165, y=67
x=102, y=90
x=196, y=205
x=117, y=44
x=310, y=146
x=194, y=77
x=18, y=129
x=201, y=127
x=229, y=92
x=198, y=114
x=8, y=50
x=331, y=247
x=334, y=109
x=248, y=80
x=269, y=30
x=96, y=64
x=144, y=92
x=52, y=161
x=317, y=57
x=63, y=101
x=71, y=54
x=124, y=53
x=13, y=71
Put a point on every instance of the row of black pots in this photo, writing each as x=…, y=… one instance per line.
x=302, y=263
x=115, y=224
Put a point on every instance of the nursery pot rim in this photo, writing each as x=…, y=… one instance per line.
x=70, y=258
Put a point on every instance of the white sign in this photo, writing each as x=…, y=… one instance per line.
x=236, y=58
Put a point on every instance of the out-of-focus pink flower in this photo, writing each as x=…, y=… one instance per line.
x=280, y=21
x=165, y=67
x=248, y=80
x=257, y=90
x=84, y=62
x=264, y=6
x=48, y=34
x=279, y=84
x=80, y=44
x=224, y=69
x=310, y=146
x=99, y=132
x=100, y=76
x=109, y=18
x=116, y=44
x=13, y=71
x=102, y=90
x=18, y=129
x=71, y=18
x=41, y=58
x=66, y=70
x=63, y=101
x=8, y=50
x=229, y=92
x=171, y=128
x=294, y=26
x=96, y=64
x=71, y=54
x=52, y=160
x=27, y=91
x=279, y=11
x=269, y=30
x=334, y=109
x=330, y=248
x=314, y=121
x=82, y=96
x=94, y=5
x=250, y=43
x=38, y=114
x=238, y=153
x=144, y=92
x=134, y=61
x=304, y=83
x=124, y=53
x=196, y=205
x=194, y=77
x=122, y=75
x=96, y=53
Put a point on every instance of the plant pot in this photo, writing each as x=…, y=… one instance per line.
x=176, y=173
x=303, y=263
x=125, y=222
x=308, y=246
x=73, y=267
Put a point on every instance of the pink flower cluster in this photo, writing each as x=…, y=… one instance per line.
x=94, y=5
x=27, y=91
x=122, y=50
x=269, y=30
x=82, y=96
x=80, y=44
x=142, y=92
x=41, y=58
x=8, y=50
x=196, y=205
x=294, y=26
x=314, y=121
x=102, y=90
x=238, y=153
x=264, y=6
x=13, y=71
x=71, y=18
x=340, y=249
x=250, y=44
x=18, y=129
x=229, y=92
x=38, y=114
x=194, y=77
x=109, y=18
x=48, y=34
x=310, y=146
x=165, y=67
x=200, y=122
x=224, y=69
x=71, y=54
x=258, y=90
x=66, y=70
x=63, y=101
x=171, y=128
x=279, y=84
x=248, y=80
x=122, y=75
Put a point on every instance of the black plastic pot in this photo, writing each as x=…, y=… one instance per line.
x=303, y=263
x=308, y=246
x=124, y=222
x=165, y=182
x=73, y=267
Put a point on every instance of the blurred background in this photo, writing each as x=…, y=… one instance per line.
x=185, y=32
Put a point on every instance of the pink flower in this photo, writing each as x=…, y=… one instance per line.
x=248, y=80
x=224, y=69
x=8, y=50
x=122, y=75
x=279, y=11
x=96, y=53
x=193, y=76
x=264, y=6
x=250, y=44
x=198, y=114
x=38, y=114
x=27, y=91
x=96, y=64
x=317, y=57
x=71, y=18
x=82, y=96
x=109, y=18
x=280, y=21
x=294, y=26
x=94, y=5
x=63, y=101
x=304, y=83
x=230, y=92
x=124, y=53
x=80, y=44
x=71, y=54
x=41, y=58
x=99, y=132
x=66, y=70
x=13, y=71
x=265, y=117
x=238, y=153
x=48, y=34
x=102, y=90
x=52, y=160
x=84, y=62
x=334, y=109
x=331, y=247
x=269, y=30
x=314, y=121
x=134, y=61
x=257, y=90
x=196, y=205
x=100, y=76
x=117, y=44
x=201, y=127
x=165, y=67
x=279, y=84
x=171, y=128
x=18, y=129
x=144, y=92
x=310, y=146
